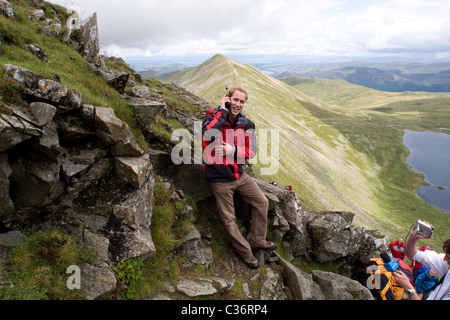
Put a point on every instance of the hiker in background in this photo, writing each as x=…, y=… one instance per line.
x=398, y=249
x=288, y=188
x=426, y=279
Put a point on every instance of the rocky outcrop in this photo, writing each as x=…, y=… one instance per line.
x=117, y=80
x=82, y=35
x=307, y=235
x=75, y=166
x=89, y=39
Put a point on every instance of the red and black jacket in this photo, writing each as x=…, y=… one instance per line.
x=216, y=129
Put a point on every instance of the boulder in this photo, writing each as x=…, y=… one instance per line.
x=35, y=182
x=89, y=39
x=42, y=112
x=10, y=136
x=145, y=110
x=37, y=14
x=126, y=145
x=182, y=177
x=6, y=9
x=130, y=244
x=21, y=122
x=45, y=89
x=48, y=144
x=117, y=133
x=120, y=213
x=96, y=282
x=6, y=204
x=140, y=91
x=117, y=80
x=52, y=27
x=107, y=125
x=300, y=284
x=204, y=286
x=11, y=238
x=36, y=50
x=333, y=237
x=272, y=286
x=196, y=288
x=338, y=287
x=190, y=247
x=78, y=160
x=133, y=170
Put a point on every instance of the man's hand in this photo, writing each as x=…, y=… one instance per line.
x=225, y=149
x=402, y=280
x=225, y=99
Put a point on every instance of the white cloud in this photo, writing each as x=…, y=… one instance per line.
x=344, y=27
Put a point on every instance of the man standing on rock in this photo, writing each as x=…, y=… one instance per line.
x=229, y=140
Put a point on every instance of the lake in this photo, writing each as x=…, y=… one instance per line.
x=430, y=155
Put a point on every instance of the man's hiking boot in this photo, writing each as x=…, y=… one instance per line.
x=253, y=264
x=268, y=246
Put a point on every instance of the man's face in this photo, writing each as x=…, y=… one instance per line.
x=447, y=258
x=237, y=103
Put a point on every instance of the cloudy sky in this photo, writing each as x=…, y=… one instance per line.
x=397, y=28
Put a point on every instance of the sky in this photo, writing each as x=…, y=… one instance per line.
x=412, y=29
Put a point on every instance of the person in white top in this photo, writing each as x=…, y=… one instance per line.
x=440, y=262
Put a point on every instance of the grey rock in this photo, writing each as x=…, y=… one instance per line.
x=145, y=110
x=196, y=288
x=9, y=136
x=89, y=38
x=133, y=170
x=6, y=9
x=42, y=112
x=96, y=282
x=6, y=204
x=338, y=287
x=35, y=183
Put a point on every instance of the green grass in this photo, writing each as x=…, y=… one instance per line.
x=37, y=267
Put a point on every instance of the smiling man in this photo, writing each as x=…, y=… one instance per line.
x=229, y=140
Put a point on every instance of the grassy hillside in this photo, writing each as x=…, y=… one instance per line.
x=65, y=64
x=340, y=145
